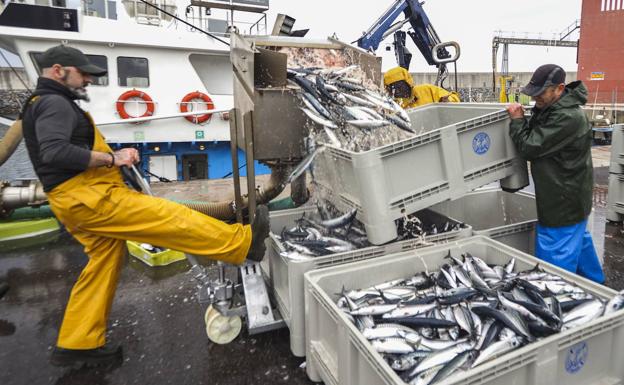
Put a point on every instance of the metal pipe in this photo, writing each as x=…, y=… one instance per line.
x=14, y=197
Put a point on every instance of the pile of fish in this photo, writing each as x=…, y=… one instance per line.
x=431, y=326
x=325, y=232
x=352, y=111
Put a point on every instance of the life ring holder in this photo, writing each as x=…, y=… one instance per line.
x=125, y=98
x=188, y=99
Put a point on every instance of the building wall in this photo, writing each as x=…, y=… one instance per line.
x=601, y=50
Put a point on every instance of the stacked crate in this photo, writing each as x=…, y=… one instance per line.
x=615, y=200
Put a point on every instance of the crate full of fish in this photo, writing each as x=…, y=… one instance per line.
x=474, y=311
x=508, y=218
x=302, y=240
x=454, y=148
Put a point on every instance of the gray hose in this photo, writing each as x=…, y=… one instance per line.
x=10, y=141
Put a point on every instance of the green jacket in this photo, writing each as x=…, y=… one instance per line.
x=557, y=142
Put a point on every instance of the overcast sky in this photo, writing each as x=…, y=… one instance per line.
x=469, y=22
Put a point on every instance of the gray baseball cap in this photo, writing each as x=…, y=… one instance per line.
x=69, y=57
x=543, y=77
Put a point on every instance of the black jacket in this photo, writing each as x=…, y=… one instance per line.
x=59, y=137
x=557, y=142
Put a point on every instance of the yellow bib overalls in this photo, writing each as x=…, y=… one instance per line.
x=102, y=213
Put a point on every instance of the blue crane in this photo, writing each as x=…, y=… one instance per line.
x=422, y=33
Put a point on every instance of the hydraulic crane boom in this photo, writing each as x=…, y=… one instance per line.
x=422, y=33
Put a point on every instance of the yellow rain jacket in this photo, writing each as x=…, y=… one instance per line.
x=421, y=94
x=102, y=213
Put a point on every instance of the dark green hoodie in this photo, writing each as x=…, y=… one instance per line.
x=557, y=142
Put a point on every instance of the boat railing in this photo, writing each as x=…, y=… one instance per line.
x=161, y=117
x=223, y=26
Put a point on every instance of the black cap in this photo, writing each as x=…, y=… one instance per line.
x=545, y=76
x=69, y=57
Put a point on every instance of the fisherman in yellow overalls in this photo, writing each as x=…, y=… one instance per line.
x=400, y=84
x=80, y=174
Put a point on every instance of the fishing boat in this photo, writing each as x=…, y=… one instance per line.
x=166, y=72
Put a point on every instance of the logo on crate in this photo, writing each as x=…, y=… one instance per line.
x=576, y=358
x=481, y=143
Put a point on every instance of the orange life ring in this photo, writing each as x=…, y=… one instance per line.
x=188, y=99
x=123, y=98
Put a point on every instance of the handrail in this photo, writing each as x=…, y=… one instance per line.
x=576, y=24
x=160, y=117
x=8, y=122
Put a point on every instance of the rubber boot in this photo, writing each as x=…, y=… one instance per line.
x=259, y=232
x=102, y=356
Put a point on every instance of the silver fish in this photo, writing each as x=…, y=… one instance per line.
x=425, y=377
x=368, y=123
x=583, y=314
x=374, y=310
x=342, y=220
x=616, y=303
x=318, y=119
x=497, y=348
x=461, y=360
x=303, y=165
x=441, y=357
x=409, y=311
x=392, y=345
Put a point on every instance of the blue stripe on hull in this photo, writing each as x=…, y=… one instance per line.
x=219, y=158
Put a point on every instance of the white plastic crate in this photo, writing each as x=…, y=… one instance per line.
x=337, y=353
x=617, y=149
x=615, y=198
x=461, y=147
x=508, y=218
x=287, y=275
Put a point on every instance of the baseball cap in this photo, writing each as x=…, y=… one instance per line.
x=69, y=57
x=543, y=77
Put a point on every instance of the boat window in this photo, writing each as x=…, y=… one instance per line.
x=99, y=60
x=145, y=14
x=102, y=62
x=100, y=8
x=133, y=71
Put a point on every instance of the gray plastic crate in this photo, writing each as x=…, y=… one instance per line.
x=617, y=149
x=287, y=275
x=508, y=218
x=461, y=147
x=615, y=198
x=337, y=353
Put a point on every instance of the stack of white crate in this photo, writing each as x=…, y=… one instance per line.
x=615, y=201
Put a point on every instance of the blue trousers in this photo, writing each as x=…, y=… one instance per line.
x=571, y=248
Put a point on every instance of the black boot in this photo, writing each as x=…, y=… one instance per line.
x=259, y=232
x=4, y=287
x=102, y=356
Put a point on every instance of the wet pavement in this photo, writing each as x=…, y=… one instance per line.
x=157, y=319
x=155, y=316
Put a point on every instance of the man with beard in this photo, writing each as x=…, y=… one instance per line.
x=81, y=177
x=557, y=139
